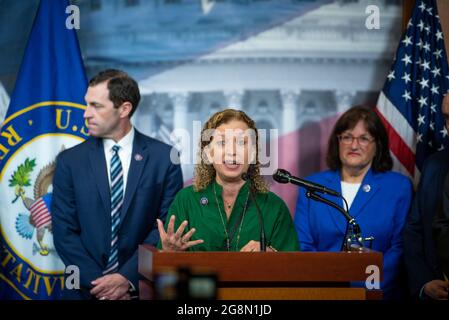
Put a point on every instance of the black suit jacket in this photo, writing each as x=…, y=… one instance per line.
x=81, y=209
x=441, y=230
x=419, y=250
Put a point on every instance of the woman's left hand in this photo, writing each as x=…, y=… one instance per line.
x=253, y=246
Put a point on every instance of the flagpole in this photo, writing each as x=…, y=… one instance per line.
x=443, y=9
x=407, y=9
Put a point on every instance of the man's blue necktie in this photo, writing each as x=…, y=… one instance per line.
x=116, y=205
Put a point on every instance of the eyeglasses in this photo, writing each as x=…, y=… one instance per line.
x=363, y=141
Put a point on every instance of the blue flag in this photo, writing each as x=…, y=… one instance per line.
x=45, y=116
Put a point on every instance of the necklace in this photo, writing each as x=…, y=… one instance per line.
x=228, y=238
x=228, y=205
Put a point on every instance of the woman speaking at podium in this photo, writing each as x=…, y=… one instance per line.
x=229, y=200
x=379, y=199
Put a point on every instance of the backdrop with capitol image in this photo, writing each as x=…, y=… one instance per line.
x=292, y=66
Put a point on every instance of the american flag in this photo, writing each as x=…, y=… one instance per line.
x=40, y=214
x=410, y=102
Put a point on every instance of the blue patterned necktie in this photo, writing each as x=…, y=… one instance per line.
x=116, y=205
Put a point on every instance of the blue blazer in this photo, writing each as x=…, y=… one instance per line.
x=81, y=207
x=419, y=249
x=380, y=210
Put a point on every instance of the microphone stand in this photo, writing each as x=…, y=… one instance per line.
x=263, y=242
x=353, y=240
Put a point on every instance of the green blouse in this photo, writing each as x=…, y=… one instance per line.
x=201, y=211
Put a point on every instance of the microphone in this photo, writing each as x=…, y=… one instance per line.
x=263, y=244
x=353, y=235
x=283, y=176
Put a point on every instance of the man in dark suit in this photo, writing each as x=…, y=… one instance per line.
x=441, y=232
x=424, y=273
x=109, y=190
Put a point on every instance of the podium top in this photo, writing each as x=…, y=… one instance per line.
x=267, y=266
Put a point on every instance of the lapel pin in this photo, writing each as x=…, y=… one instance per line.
x=204, y=201
x=366, y=188
x=138, y=157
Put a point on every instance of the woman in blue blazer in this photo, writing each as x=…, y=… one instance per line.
x=379, y=199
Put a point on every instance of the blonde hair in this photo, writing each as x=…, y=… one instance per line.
x=205, y=172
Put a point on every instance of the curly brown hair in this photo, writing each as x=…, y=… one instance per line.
x=205, y=172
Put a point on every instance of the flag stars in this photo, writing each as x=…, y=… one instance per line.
x=419, y=137
x=424, y=76
x=406, y=77
x=423, y=83
x=391, y=75
x=407, y=41
x=407, y=59
x=438, y=53
x=436, y=72
x=420, y=44
x=425, y=65
x=421, y=119
x=406, y=96
x=434, y=89
x=422, y=101
x=421, y=25
x=422, y=7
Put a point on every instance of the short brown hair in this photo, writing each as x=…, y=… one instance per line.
x=122, y=88
x=382, y=159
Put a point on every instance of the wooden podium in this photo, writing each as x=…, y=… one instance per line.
x=271, y=275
